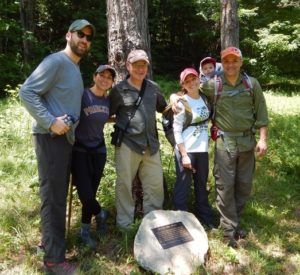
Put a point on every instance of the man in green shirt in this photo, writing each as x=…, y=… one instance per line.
x=238, y=111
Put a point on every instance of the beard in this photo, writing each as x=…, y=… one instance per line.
x=77, y=50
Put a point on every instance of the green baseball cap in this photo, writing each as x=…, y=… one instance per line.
x=79, y=24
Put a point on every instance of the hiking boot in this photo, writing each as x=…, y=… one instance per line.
x=85, y=236
x=63, y=268
x=240, y=234
x=101, y=221
x=231, y=242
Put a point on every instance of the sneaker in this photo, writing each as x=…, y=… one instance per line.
x=63, y=268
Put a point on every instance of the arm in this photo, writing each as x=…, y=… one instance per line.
x=261, y=146
x=32, y=93
x=178, y=122
x=161, y=103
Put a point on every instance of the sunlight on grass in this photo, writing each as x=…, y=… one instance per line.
x=283, y=105
x=272, y=215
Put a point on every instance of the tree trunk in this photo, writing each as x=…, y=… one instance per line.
x=229, y=24
x=26, y=16
x=127, y=29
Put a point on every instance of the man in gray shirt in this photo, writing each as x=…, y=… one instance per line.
x=139, y=151
x=52, y=95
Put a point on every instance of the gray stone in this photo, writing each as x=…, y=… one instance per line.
x=180, y=259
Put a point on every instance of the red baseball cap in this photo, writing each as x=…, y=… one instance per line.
x=187, y=72
x=231, y=51
x=208, y=60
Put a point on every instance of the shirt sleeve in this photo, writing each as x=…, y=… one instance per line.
x=178, y=123
x=38, y=84
x=115, y=99
x=161, y=103
x=260, y=107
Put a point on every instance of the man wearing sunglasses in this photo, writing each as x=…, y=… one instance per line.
x=52, y=95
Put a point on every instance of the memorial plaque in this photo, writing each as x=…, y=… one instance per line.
x=172, y=235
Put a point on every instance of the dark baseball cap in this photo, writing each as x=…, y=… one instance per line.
x=79, y=24
x=102, y=68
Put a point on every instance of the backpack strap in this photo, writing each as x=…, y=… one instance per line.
x=188, y=112
x=247, y=83
x=218, y=90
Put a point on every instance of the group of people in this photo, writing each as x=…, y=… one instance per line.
x=68, y=138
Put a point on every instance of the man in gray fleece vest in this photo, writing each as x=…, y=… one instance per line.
x=52, y=95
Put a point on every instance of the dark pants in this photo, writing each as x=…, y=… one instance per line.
x=87, y=170
x=183, y=185
x=233, y=173
x=54, y=162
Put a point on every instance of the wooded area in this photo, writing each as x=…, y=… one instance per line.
x=180, y=33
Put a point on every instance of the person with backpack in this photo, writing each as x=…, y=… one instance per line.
x=239, y=108
x=208, y=68
x=191, y=150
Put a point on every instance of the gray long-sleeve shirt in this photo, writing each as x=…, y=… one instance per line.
x=141, y=133
x=53, y=89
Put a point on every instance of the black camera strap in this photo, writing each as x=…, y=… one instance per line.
x=137, y=103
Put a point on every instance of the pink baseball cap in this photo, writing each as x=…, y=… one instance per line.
x=187, y=72
x=231, y=51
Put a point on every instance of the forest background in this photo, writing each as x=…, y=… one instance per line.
x=181, y=34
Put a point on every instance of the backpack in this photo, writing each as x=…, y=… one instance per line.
x=215, y=132
x=168, y=118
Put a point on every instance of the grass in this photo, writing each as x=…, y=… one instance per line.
x=272, y=215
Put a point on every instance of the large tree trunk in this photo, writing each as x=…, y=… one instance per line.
x=26, y=16
x=127, y=29
x=229, y=24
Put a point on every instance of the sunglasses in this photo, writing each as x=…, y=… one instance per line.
x=89, y=37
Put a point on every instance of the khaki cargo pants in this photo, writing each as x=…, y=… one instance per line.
x=149, y=166
x=233, y=174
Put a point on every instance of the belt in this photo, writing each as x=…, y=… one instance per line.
x=237, y=134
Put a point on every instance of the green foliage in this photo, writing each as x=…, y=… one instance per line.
x=181, y=32
x=270, y=37
x=272, y=215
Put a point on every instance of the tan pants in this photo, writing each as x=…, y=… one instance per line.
x=149, y=166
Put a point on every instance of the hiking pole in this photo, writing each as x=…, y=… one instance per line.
x=70, y=205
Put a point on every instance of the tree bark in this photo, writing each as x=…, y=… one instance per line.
x=229, y=24
x=26, y=16
x=127, y=29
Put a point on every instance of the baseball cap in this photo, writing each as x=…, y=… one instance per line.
x=231, y=51
x=187, y=72
x=102, y=68
x=136, y=55
x=208, y=60
x=79, y=24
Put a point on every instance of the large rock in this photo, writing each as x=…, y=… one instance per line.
x=171, y=242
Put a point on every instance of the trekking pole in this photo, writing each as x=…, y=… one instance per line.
x=70, y=205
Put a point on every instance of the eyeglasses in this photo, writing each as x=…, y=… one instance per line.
x=89, y=37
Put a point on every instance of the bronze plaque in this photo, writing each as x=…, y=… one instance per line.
x=172, y=234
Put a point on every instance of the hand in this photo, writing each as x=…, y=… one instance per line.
x=59, y=127
x=186, y=162
x=174, y=101
x=261, y=147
